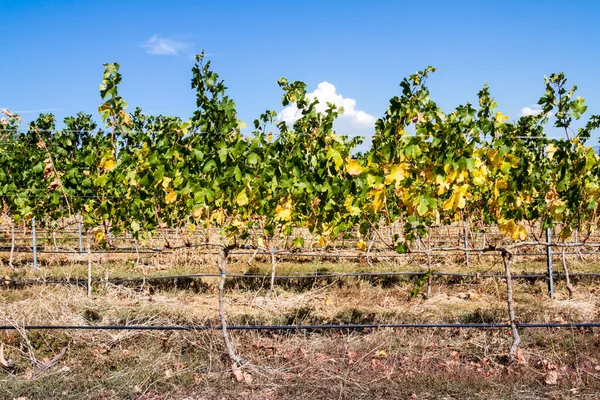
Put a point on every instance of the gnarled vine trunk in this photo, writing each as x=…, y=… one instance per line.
x=273, y=269
x=12, y=245
x=506, y=259
x=567, y=275
x=222, y=263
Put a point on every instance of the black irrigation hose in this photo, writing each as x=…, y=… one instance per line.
x=313, y=276
x=300, y=327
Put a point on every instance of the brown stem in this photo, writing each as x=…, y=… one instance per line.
x=12, y=244
x=56, y=175
x=106, y=233
x=222, y=263
x=369, y=249
x=160, y=224
x=137, y=253
x=253, y=256
x=578, y=249
x=506, y=259
x=89, y=281
x=430, y=277
x=54, y=240
x=273, y=267
x=567, y=276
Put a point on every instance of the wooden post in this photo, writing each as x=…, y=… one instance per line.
x=89, y=281
x=34, y=244
x=549, y=263
x=79, y=233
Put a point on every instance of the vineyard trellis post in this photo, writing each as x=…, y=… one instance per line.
x=466, y=242
x=89, y=270
x=79, y=234
x=34, y=245
x=549, y=262
x=12, y=244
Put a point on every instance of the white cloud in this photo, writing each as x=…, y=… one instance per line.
x=525, y=111
x=351, y=122
x=42, y=110
x=165, y=46
x=534, y=110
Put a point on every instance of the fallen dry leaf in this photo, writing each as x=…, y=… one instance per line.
x=551, y=378
x=521, y=358
x=237, y=373
x=322, y=357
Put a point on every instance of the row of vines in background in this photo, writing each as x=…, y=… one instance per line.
x=147, y=174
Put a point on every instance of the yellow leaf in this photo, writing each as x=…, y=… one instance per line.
x=107, y=165
x=283, y=212
x=166, y=181
x=241, y=199
x=197, y=213
x=99, y=235
x=270, y=137
x=462, y=176
x=378, y=195
x=171, y=197
x=218, y=217
x=512, y=160
x=479, y=175
x=510, y=228
x=500, y=118
x=451, y=177
x=492, y=156
x=550, y=150
x=353, y=167
x=350, y=207
x=458, y=198
x=442, y=185
x=361, y=245
x=448, y=204
x=125, y=117
x=397, y=173
x=192, y=228
x=322, y=241
x=522, y=232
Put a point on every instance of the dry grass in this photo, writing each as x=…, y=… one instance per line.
x=409, y=363
x=383, y=364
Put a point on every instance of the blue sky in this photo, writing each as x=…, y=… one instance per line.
x=53, y=51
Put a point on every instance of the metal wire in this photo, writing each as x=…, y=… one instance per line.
x=303, y=327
